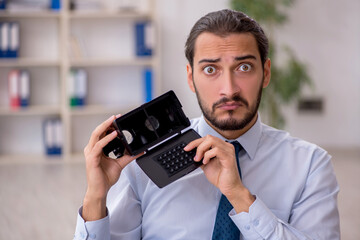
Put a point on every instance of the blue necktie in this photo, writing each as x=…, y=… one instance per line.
x=224, y=228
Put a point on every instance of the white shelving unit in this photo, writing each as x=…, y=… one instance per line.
x=105, y=42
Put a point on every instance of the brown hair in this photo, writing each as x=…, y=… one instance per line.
x=223, y=23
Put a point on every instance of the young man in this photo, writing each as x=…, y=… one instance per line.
x=286, y=188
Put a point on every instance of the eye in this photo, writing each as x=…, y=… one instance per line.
x=209, y=70
x=245, y=67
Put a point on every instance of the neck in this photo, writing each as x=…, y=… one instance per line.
x=233, y=134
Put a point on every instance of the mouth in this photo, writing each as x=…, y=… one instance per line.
x=230, y=106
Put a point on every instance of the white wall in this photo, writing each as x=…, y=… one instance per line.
x=325, y=34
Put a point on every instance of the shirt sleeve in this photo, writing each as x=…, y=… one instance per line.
x=313, y=216
x=92, y=229
x=123, y=220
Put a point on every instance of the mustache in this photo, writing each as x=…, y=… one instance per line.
x=235, y=98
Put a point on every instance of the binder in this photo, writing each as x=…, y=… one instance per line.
x=53, y=138
x=55, y=5
x=144, y=38
x=14, y=40
x=148, y=84
x=2, y=4
x=71, y=88
x=49, y=137
x=24, y=92
x=58, y=140
x=4, y=42
x=81, y=87
x=1, y=41
x=13, y=83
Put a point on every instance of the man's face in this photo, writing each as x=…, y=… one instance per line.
x=228, y=77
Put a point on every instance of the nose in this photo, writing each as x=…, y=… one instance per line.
x=229, y=85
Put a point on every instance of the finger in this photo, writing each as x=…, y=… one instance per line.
x=209, y=155
x=203, y=147
x=193, y=144
x=97, y=149
x=99, y=130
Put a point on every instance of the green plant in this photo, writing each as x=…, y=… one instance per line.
x=286, y=80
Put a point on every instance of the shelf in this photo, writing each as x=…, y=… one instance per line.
x=111, y=62
x=31, y=14
x=106, y=15
x=28, y=62
x=30, y=111
x=52, y=44
x=100, y=110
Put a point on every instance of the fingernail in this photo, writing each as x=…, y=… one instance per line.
x=119, y=115
x=112, y=116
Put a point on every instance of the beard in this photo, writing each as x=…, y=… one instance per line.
x=231, y=122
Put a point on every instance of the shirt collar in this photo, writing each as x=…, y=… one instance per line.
x=249, y=140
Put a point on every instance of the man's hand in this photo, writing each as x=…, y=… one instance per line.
x=102, y=172
x=220, y=168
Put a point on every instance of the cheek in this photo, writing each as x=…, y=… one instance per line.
x=252, y=92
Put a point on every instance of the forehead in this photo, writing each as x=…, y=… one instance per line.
x=209, y=45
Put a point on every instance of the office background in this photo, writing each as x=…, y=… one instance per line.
x=39, y=199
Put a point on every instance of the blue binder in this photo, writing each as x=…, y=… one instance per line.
x=148, y=85
x=4, y=39
x=24, y=88
x=2, y=4
x=55, y=5
x=52, y=132
x=142, y=49
x=14, y=40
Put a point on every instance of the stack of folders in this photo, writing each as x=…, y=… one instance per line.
x=77, y=83
x=53, y=136
x=9, y=39
x=145, y=38
x=31, y=5
x=19, y=88
x=2, y=4
x=85, y=5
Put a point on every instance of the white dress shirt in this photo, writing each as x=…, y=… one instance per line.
x=293, y=181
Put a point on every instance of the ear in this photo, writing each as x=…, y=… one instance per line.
x=190, y=79
x=267, y=73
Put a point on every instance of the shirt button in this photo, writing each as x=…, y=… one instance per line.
x=247, y=227
x=82, y=235
x=92, y=236
x=256, y=223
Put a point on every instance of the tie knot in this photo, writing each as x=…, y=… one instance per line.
x=237, y=146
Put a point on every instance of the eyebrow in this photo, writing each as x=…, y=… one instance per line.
x=245, y=57
x=240, y=58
